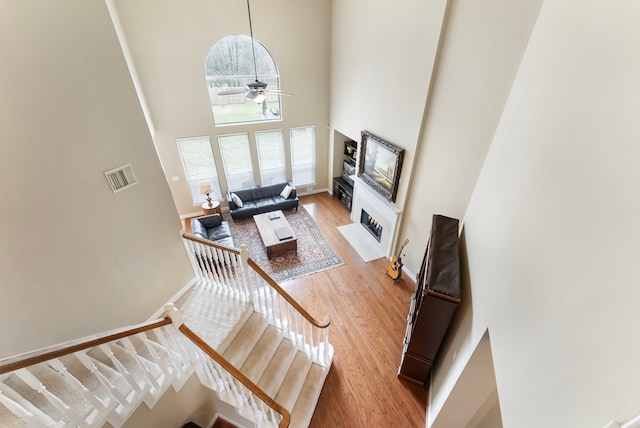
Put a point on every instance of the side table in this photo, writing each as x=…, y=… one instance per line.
x=214, y=208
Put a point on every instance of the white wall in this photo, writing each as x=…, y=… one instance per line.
x=474, y=394
x=481, y=49
x=193, y=403
x=550, y=231
x=169, y=42
x=382, y=57
x=75, y=258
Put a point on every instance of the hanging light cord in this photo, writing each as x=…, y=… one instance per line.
x=253, y=49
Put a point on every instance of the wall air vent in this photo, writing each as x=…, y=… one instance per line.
x=120, y=178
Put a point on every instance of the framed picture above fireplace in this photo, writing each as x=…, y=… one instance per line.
x=380, y=165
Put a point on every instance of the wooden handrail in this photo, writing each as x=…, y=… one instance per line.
x=56, y=351
x=320, y=324
x=325, y=322
x=286, y=416
x=203, y=241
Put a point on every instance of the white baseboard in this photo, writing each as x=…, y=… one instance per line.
x=158, y=314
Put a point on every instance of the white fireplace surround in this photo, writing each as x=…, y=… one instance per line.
x=383, y=211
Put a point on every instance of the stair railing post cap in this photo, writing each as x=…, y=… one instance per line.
x=172, y=312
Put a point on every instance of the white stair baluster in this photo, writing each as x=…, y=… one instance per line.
x=141, y=365
x=100, y=405
x=90, y=365
x=106, y=349
x=31, y=419
x=27, y=377
x=159, y=361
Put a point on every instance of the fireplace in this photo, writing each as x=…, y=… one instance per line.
x=371, y=225
x=379, y=217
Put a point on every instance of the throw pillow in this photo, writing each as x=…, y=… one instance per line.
x=286, y=191
x=236, y=200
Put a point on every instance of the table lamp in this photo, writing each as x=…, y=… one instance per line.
x=205, y=188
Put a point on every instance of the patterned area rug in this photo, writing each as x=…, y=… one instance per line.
x=314, y=252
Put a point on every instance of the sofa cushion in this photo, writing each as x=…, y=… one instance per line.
x=226, y=241
x=286, y=204
x=198, y=229
x=264, y=202
x=244, y=194
x=220, y=232
x=209, y=221
x=261, y=192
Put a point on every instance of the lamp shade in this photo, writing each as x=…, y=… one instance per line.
x=204, y=187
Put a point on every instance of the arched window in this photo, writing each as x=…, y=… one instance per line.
x=229, y=68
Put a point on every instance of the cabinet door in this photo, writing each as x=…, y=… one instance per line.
x=430, y=325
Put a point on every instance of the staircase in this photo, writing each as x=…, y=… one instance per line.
x=282, y=370
x=264, y=357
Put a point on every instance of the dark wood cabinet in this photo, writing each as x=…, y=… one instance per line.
x=343, y=192
x=343, y=185
x=434, y=301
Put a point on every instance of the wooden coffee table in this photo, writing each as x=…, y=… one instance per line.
x=277, y=236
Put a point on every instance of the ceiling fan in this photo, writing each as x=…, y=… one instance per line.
x=255, y=91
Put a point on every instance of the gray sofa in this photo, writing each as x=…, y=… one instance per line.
x=261, y=199
x=212, y=227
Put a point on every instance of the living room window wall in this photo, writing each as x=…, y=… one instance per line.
x=303, y=155
x=199, y=164
x=229, y=67
x=241, y=155
x=271, y=159
x=236, y=160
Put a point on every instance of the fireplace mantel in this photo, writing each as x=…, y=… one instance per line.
x=384, y=212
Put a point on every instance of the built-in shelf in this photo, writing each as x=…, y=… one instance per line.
x=351, y=150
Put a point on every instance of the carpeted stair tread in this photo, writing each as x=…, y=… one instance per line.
x=29, y=396
x=213, y=313
x=262, y=353
x=142, y=348
x=8, y=392
x=90, y=381
x=308, y=397
x=246, y=339
x=59, y=387
x=9, y=419
x=278, y=367
x=108, y=371
x=292, y=383
x=125, y=358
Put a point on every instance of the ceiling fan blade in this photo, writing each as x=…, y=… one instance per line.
x=279, y=92
x=232, y=92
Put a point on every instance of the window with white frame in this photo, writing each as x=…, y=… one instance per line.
x=229, y=67
x=303, y=155
x=271, y=156
x=236, y=160
x=198, y=164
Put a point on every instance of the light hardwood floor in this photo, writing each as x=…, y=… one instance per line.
x=368, y=313
x=368, y=321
